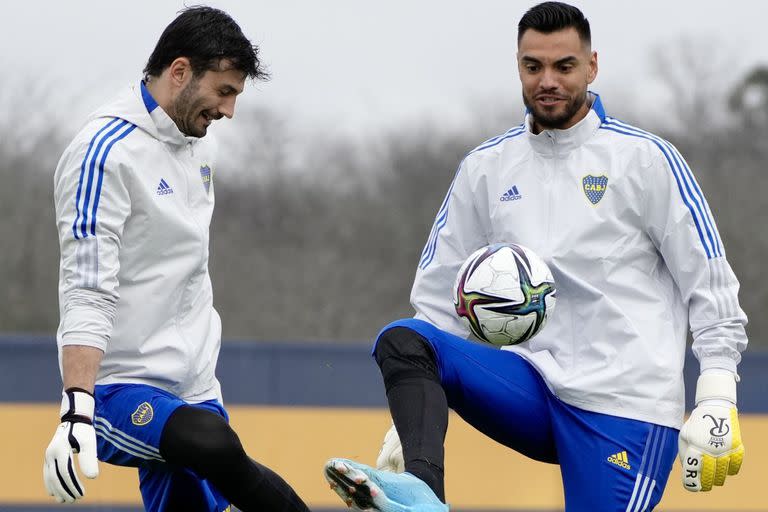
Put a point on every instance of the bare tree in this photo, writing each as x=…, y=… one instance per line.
x=693, y=71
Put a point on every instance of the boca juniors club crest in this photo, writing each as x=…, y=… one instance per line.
x=143, y=414
x=205, y=174
x=594, y=187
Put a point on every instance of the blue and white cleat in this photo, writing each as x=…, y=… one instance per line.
x=365, y=488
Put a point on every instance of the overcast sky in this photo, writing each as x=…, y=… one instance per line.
x=358, y=64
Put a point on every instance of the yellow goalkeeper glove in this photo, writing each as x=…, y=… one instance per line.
x=710, y=444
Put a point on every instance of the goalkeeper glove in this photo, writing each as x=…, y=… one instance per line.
x=75, y=434
x=710, y=444
x=391, y=454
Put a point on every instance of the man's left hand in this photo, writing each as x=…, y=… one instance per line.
x=710, y=445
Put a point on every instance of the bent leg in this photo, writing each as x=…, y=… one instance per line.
x=129, y=422
x=426, y=370
x=188, y=456
x=417, y=402
x=202, y=441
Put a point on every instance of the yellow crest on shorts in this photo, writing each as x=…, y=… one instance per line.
x=143, y=414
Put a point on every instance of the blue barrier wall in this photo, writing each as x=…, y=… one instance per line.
x=294, y=374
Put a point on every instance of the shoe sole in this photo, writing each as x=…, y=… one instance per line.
x=355, y=486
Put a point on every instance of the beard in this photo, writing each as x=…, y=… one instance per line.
x=551, y=119
x=186, y=109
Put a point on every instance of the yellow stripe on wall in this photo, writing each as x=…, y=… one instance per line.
x=296, y=442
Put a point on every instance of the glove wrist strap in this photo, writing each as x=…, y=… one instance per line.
x=716, y=386
x=77, y=406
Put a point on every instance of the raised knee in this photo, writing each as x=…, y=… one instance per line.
x=403, y=353
x=401, y=342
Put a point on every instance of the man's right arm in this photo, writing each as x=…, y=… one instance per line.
x=92, y=205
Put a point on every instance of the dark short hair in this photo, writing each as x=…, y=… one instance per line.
x=550, y=17
x=205, y=36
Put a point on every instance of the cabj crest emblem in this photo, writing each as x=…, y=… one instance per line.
x=143, y=414
x=594, y=187
x=205, y=174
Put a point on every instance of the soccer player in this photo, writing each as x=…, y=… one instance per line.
x=138, y=336
x=616, y=213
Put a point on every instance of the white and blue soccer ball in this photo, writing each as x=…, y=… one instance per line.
x=504, y=294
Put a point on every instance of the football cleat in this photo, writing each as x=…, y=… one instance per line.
x=365, y=488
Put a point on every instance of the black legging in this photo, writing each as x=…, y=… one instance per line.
x=202, y=441
x=417, y=402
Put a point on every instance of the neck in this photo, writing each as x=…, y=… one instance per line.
x=159, y=91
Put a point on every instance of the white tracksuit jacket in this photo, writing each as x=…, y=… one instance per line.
x=134, y=199
x=633, y=247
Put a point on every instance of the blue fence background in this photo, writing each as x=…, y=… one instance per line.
x=295, y=374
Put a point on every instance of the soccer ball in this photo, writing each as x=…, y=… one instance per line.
x=504, y=293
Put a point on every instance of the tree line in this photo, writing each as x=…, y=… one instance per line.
x=321, y=243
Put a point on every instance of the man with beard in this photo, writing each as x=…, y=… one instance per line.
x=633, y=247
x=138, y=336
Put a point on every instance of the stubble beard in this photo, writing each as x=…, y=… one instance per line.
x=184, y=110
x=555, y=121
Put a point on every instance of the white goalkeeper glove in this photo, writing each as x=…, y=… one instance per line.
x=391, y=454
x=710, y=444
x=75, y=434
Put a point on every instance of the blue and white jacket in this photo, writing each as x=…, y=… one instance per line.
x=134, y=199
x=618, y=216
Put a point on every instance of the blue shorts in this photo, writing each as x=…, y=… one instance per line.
x=607, y=463
x=129, y=421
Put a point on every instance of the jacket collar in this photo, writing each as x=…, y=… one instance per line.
x=561, y=141
x=149, y=100
x=137, y=106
